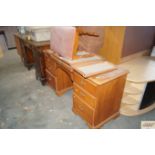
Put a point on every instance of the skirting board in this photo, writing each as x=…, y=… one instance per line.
x=133, y=56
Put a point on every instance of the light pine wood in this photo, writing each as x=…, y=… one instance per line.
x=132, y=100
x=132, y=88
x=129, y=110
x=141, y=70
x=113, y=43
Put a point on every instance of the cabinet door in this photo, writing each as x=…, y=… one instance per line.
x=63, y=80
x=50, y=79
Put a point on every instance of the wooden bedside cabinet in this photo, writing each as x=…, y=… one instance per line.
x=97, y=99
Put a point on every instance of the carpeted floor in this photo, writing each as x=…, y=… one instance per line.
x=25, y=103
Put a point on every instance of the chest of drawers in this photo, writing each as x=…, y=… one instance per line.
x=97, y=99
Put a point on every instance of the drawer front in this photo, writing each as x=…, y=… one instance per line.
x=50, y=79
x=85, y=84
x=87, y=97
x=50, y=65
x=82, y=109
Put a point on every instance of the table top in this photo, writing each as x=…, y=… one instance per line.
x=79, y=61
x=141, y=70
x=88, y=70
x=34, y=43
x=108, y=76
x=90, y=66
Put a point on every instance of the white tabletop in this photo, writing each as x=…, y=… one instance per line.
x=141, y=69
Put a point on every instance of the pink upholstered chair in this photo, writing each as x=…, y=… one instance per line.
x=64, y=41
